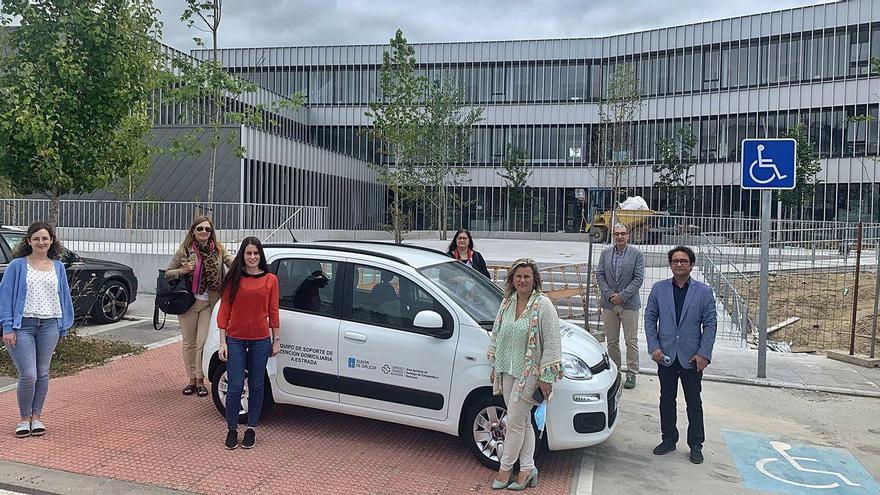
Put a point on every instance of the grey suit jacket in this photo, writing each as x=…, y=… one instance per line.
x=694, y=334
x=632, y=274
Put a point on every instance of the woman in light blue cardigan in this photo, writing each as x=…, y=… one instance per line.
x=36, y=311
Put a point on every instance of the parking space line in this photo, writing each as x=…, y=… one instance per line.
x=585, y=476
x=96, y=329
x=162, y=343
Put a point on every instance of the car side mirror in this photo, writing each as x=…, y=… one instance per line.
x=432, y=322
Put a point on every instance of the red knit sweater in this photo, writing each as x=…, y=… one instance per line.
x=254, y=311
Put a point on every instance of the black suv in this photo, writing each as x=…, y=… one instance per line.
x=101, y=290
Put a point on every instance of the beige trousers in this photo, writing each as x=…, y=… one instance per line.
x=519, y=438
x=629, y=319
x=194, y=329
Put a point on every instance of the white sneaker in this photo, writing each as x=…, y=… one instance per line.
x=23, y=429
x=37, y=428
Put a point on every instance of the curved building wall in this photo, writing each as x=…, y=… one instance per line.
x=750, y=76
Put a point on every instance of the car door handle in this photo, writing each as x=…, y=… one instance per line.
x=355, y=337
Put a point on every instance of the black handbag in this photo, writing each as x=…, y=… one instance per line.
x=173, y=297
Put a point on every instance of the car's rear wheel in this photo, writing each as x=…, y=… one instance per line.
x=485, y=428
x=220, y=385
x=112, y=302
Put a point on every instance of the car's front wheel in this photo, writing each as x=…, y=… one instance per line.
x=112, y=302
x=485, y=428
x=220, y=385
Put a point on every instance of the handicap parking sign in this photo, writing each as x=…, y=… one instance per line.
x=779, y=465
x=768, y=163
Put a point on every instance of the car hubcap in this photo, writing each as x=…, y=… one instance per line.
x=489, y=428
x=114, y=302
x=223, y=390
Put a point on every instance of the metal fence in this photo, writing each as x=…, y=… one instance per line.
x=647, y=227
x=822, y=289
x=813, y=288
x=154, y=227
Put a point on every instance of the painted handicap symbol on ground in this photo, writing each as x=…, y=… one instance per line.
x=795, y=462
x=776, y=465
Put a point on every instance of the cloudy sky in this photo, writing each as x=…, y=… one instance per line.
x=327, y=22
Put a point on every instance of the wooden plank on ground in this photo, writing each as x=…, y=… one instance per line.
x=779, y=326
x=562, y=293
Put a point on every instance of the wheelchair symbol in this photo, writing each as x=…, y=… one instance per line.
x=782, y=448
x=765, y=163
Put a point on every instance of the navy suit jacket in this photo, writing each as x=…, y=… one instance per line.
x=693, y=334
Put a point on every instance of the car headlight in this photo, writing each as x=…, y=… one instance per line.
x=574, y=368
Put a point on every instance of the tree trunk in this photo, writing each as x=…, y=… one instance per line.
x=398, y=236
x=216, y=103
x=440, y=212
x=54, y=203
x=211, y=175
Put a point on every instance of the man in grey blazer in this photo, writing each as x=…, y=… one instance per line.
x=680, y=323
x=620, y=274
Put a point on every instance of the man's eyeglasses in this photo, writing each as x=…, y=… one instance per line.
x=204, y=229
x=621, y=233
x=680, y=262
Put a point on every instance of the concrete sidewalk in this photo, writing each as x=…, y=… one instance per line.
x=35, y=480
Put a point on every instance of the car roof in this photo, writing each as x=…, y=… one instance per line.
x=415, y=256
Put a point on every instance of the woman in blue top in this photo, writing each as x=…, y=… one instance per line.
x=35, y=312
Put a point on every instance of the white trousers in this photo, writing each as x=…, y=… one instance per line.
x=519, y=439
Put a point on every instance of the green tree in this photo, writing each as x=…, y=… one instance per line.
x=445, y=144
x=76, y=80
x=211, y=96
x=397, y=123
x=807, y=166
x=617, y=111
x=515, y=172
x=674, y=159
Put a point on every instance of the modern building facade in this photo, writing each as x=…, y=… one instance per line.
x=726, y=80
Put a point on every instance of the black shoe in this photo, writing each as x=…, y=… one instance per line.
x=664, y=448
x=250, y=439
x=231, y=439
x=697, y=455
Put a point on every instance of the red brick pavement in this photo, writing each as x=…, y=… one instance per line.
x=128, y=420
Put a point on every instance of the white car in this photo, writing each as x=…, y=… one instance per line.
x=399, y=333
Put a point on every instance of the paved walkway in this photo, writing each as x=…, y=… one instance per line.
x=128, y=421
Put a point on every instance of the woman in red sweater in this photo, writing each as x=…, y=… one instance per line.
x=249, y=334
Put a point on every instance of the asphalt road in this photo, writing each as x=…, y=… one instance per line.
x=736, y=417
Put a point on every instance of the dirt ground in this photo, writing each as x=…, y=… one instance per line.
x=823, y=302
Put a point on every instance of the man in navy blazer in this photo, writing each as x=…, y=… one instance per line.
x=680, y=322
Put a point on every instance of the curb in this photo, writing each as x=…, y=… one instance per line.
x=763, y=382
x=36, y=480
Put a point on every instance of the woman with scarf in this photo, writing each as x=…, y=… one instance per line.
x=525, y=355
x=462, y=248
x=203, y=259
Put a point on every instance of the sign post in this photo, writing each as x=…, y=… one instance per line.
x=767, y=165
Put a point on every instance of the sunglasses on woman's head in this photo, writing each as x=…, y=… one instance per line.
x=204, y=229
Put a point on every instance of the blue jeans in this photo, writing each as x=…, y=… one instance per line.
x=35, y=343
x=250, y=356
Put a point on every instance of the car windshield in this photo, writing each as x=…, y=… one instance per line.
x=12, y=238
x=478, y=296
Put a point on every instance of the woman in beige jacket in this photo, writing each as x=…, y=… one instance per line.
x=525, y=354
x=203, y=260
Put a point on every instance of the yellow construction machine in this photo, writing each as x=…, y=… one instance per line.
x=645, y=226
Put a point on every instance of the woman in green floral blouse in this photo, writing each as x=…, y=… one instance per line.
x=525, y=355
